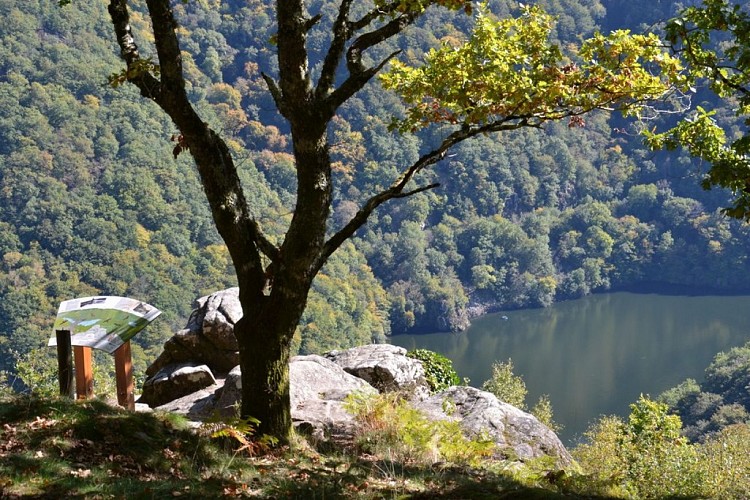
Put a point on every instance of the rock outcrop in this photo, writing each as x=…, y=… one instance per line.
x=318, y=388
x=229, y=397
x=385, y=367
x=175, y=381
x=518, y=435
x=208, y=338
x=197, y=374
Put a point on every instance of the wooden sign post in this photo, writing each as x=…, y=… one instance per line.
x=64, y=362
x=84, y=373
x=124, y=376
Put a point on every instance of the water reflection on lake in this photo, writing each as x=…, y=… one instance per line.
x=595, y=355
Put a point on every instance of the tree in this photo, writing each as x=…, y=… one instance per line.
x=506, y=76
x=714, y=41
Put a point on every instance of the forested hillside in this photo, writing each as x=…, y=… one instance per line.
x=95, y=199
x=719, y=401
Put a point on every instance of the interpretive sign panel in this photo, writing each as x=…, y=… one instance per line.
x=103, y=322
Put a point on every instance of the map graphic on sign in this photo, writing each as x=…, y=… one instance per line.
x=103, y=323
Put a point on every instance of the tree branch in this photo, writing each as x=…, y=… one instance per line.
x=218, y=173
x=372, y=38
x=714, y=67
x=312, y=22
x=145, y=81
x=343, y=31
x=275, y=91
x=375, y=13
x=341, y=34
x=167, y=48
x=418, y=190
x=264, y=244
x=294, y=73
x=354, y=83
x=718, y=75
x=359, y=75
x=396, y=189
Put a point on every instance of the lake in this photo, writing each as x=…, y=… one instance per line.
x=594, y=356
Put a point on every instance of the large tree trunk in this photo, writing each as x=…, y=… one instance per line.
x=264, y=361
x=265, y=332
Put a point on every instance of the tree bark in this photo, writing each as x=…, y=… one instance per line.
x=268, y=325
x=265, y=332
x=264, y=361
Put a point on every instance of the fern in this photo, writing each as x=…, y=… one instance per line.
x=240, y=431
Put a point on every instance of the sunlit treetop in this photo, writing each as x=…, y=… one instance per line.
x=508, y=70
x=418, y=6
x=714, y=41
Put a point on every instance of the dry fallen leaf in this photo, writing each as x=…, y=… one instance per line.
x=82, y=473
x=41, y=423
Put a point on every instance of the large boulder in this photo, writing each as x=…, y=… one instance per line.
x=190, y=346
x=208, y=337
x=230, y=396
x=175, y=381
x=517, y=434
x=318, y=388
x=220, y=311
x=196, y=406
x=386, y=367
x=315, y=377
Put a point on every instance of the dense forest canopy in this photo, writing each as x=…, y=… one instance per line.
x=93, y=201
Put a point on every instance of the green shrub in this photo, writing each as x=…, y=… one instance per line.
x=37, y=369
x=507, y=386
x=604, y=469
x=661, y=462
x=542, y=410
x=438, y=369
x=6, y=389
x=511, y=389
x=726, y=462
x=645, y=457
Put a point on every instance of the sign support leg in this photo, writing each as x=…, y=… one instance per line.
x=84, y=373
x=64, y=363
x=124, y=375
